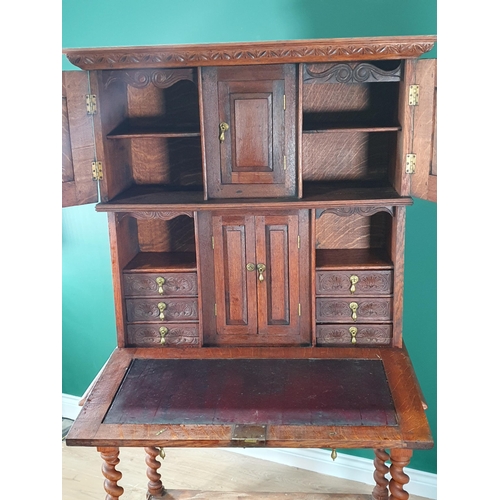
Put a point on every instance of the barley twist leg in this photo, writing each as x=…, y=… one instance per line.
x=400, y=458
x=155, y=486
x=111, y=460
x=380, y=492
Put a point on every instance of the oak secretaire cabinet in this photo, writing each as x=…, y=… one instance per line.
x=256, y=196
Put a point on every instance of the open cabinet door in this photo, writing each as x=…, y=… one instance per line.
x=424, y=180
x=78, y=151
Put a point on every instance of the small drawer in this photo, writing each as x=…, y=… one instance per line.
x=348, y=335
x=160, y=284
x=171, y=309
x=354, y=283
x=352, y=310
x=162, y=334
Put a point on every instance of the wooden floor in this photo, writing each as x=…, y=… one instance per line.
x=215, y=472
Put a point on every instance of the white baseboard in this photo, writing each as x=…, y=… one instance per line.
x=345, y=466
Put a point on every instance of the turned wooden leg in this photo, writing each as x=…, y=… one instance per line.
x=111, y=460
x=155, y=486
x=399, y=458
x=380, y=492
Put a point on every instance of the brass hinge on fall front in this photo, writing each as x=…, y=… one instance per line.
x=97, y=171
x=91, y=102
x=413, y=96
x=248, y=435
x=411, y=163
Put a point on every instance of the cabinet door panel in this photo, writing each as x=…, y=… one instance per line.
x=252, y=150
x=254, y=154
x=234, y=248
x=278, y=297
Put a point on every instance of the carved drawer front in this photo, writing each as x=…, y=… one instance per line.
x=160, y=284
x=352, y=310
x=162, y=310
x=348, y=335
x=353, y=283
x=162, y=334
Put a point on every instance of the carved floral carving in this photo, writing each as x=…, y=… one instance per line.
x=161, y=78
x=175, y=283
x=251, y=53
x=358, y=73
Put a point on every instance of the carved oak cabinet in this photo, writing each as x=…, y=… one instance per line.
x=256, y=196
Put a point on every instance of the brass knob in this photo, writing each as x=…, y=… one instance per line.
x=353, y=331
x=353, y=279
x=223, y=127
x=163, y=332
x=261, y=268
x=160, y=282
x=161, y=307
x=353, y=306
x=250, y=266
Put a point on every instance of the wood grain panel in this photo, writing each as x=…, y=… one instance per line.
x=78, y=153
x=347, y=156
x=175, y=235
x=353, y=232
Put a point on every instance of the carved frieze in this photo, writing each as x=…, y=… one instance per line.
x=355, y=73
x=163, y=215
x=161, y=78
x=251, y=53
x=347, y=211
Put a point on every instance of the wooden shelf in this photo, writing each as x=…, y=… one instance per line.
x=316, y=195
x=336, y=128
x=150, y=128
x=358, y=258
x=162, y=261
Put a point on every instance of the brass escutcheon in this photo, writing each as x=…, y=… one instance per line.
x=223, y=127
x=160, y=282
x=353, y=306
x=161, y=307
x=353, y=331
x=261, y=268
x=162, y=331
x=353, y=279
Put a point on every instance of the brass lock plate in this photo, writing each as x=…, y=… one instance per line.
x=248, y=435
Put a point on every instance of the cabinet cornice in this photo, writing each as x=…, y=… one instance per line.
x=268, y=52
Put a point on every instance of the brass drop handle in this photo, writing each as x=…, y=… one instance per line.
x=163, y=332
x=261, y=268
x=250, y=267
x=160, y=282
x=353, y=331
x=161, y=307
x=353, y=279
x=353, y=306
x=223, y=127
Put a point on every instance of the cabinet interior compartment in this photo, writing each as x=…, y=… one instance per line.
x=156, y=244
x=353, y=241
x=350, y=123
x=151, y=122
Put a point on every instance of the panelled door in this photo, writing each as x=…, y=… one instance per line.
x=249, y=115
x=260, y=266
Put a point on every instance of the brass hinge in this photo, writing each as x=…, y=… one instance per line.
x=284, y=101
x=298, y=241
x=213, y=243
x=300, y=309
x=413, y=96
x=411, y=163
x=91, y=102
x=284, y=162
x=97, y=171
x=215, y=309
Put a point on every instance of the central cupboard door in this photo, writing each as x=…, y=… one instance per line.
x=260, y=280
x=249, y=130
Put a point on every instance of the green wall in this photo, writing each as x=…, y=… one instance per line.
x=88, y=327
